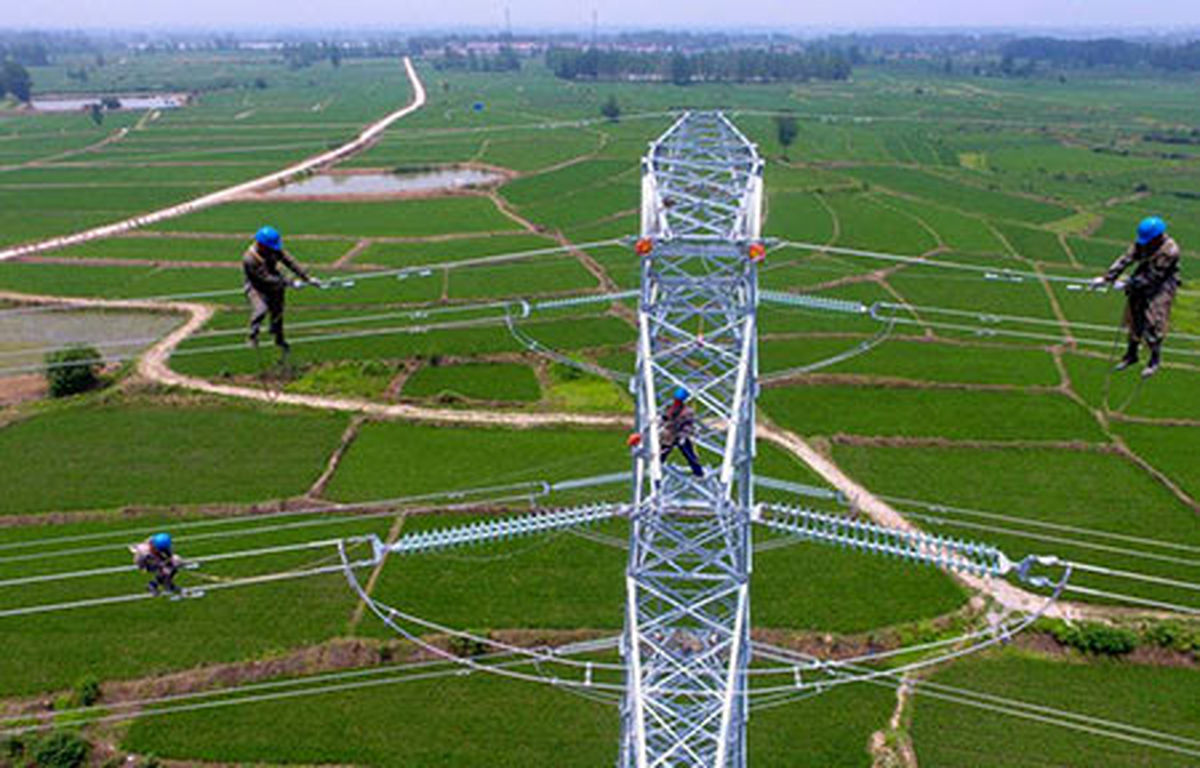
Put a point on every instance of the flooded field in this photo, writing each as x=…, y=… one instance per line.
x=75, y=103
x=388, y=184
x=28, y=333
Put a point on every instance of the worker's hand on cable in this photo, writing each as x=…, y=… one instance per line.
x=1097, y=283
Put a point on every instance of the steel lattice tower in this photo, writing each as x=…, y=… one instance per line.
x=686, y=640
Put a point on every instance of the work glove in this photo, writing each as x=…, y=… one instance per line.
x=1096, y=283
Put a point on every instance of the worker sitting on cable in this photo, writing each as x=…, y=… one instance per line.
x=265, y=285
x=1150, y=290
x=678, y=426
x=155, y=556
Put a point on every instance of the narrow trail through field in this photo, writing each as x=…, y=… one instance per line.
x=366, y=138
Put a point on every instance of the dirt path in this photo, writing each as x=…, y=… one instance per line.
x=1012, y=598
x=364, y=139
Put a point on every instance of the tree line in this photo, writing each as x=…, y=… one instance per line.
x=504, y=60
x=746, y=65
x=1108, y=52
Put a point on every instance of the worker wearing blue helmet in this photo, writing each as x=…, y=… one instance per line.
x=156, y=556
x=265, y=285
x=1150, y=291
x=678, y=428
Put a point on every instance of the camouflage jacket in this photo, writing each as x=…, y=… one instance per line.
x=146, y=557
x=1157, y=268
x=678, y=422
x=261, y=268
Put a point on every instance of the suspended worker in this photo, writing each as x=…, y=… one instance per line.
x=678, y=427
x=1150, y=290
x=156, y=557
x=266, y=286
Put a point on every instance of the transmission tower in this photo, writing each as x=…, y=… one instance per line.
x=687, y=620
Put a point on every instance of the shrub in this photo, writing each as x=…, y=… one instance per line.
x=61, y=749
x=11, y=750
x=1172, y=636
x=465, y=647
x=1097, y=639
x=87, y=691
x=73, y=370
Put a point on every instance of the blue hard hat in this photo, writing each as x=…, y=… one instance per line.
x=1150, y=230
x=161, y=542
x=270, y=237
x=477, y=106
x=681, y=393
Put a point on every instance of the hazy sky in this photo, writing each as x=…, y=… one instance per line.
x=612, y=13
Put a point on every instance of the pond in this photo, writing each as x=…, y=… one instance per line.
x=78, y=102
x=388, y=184
x=28, y=333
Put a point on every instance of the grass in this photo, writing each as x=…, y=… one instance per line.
x=961, y=415
x=1089, y=491
x=505, y=382
x=918, y=360
x=574, y=390
x=528, y=725
x=443, y=722
x=448, y=251
x=546, y=274
x=946, y=734
x=51, y=651
x=1172, y=450
x=183, y=249
x=389, y=460
x=368, y=380
x=105, y=456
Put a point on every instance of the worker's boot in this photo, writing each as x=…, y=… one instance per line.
x=1131, y=357
x=252, y=340
x=153, y=587
x=1155, y=361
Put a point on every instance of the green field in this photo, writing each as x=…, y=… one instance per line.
x=986, y=412
x=481, y=381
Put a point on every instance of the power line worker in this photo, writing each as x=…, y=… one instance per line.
x=678, y=427
x=265, y=286
x=1150, y=291
x=155, y=556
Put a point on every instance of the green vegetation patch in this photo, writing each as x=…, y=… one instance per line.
x=367, y=379
x=917, y=360
x=508, y=382
x=410, y=254
x=390, y=460
x=534, y=725
x=955, y=414
x=1082, y=489
x=200, y=249
x=1171, y=450
x=574, y=390
x=443, y=723
x=965, y=197
x=950, y=734
x=111, y=455
x=548, y=274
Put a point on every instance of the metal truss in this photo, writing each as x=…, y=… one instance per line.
x=686, y=645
